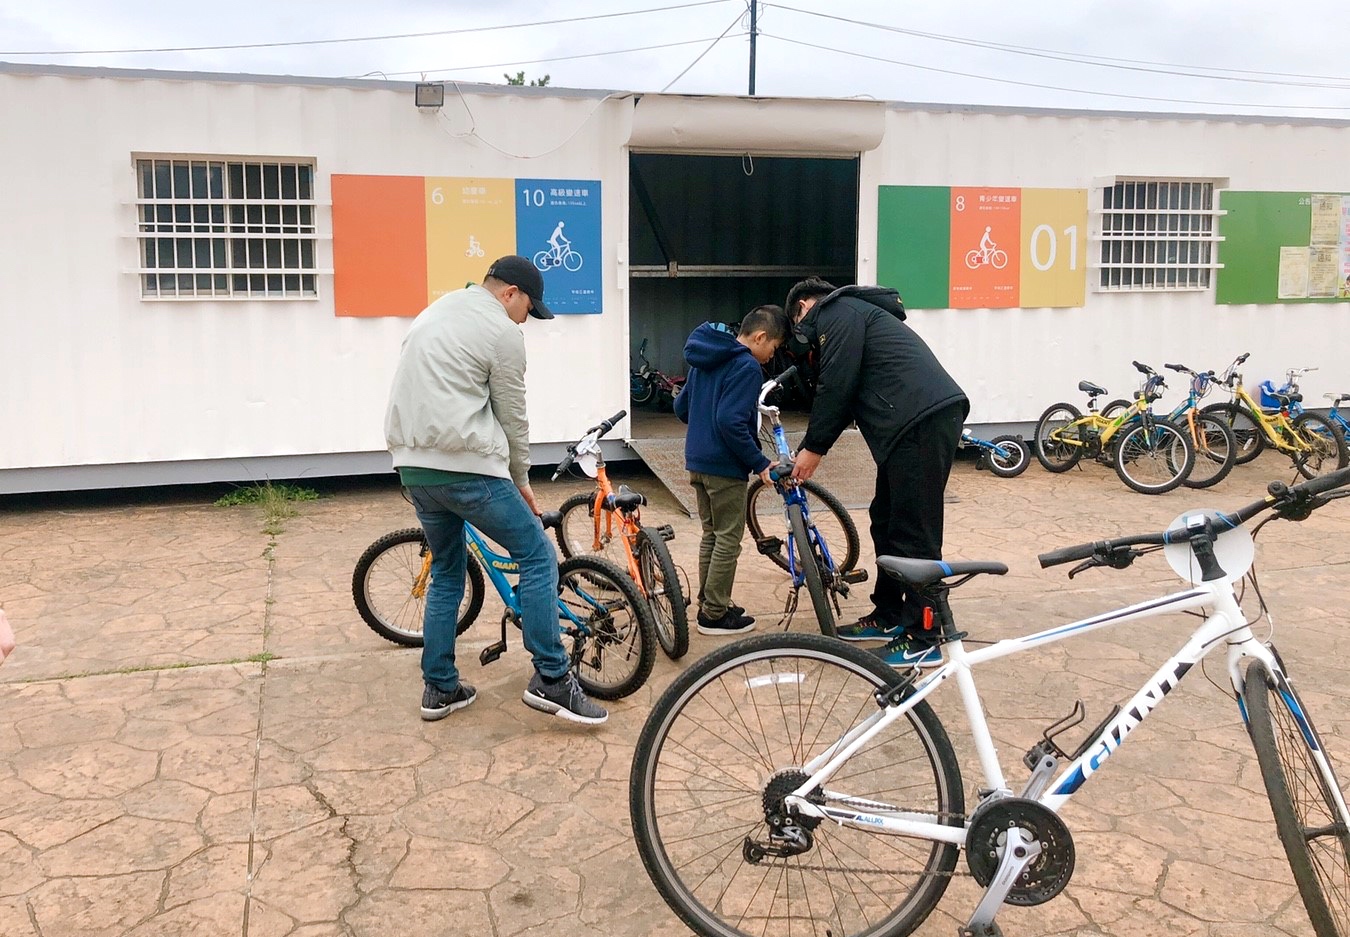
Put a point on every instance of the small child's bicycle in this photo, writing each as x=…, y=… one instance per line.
x=608, y=523
x=1006, y=456
x=606, y=626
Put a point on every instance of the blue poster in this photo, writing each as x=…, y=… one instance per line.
x=558, y=227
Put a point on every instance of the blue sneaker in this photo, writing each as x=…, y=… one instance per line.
x=906, y=651
x=868, y=628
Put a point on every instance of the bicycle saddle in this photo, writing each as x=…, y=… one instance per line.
x=922, y=572
x=550, y=519
x=627, y=499
x=1287, y=398
x=1095, y=390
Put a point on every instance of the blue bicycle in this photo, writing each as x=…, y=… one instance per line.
x=1271, y=397
x=1006, y=456
x=607, y=628
x=799, y=537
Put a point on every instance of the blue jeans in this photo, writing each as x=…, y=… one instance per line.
x=496, y=508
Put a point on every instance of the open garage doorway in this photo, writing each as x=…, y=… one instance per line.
x=710, y=238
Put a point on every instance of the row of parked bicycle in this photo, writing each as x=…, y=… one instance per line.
x=1191, y=445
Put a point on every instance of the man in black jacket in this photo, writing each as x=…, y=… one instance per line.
x=874, y=370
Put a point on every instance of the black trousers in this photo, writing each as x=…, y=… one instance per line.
x=907, y=510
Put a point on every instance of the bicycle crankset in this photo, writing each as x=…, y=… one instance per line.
x=1047, y=875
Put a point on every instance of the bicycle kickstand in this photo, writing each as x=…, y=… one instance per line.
x=1019, y=851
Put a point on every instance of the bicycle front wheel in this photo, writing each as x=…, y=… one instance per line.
x=1057, y=445
x=1325, y=446
x=1215, y=449
x=665, y=598
x=576, y=532
x=813, y=568
x=1305, y=798
x=764, y=512
x=1247, y=433
x=1154, y=457
x=1009, y=457
x=389, y=587
x=726, y=742
x=606, y=627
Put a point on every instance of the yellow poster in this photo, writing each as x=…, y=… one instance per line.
x=1054, y=247
x=470, y=223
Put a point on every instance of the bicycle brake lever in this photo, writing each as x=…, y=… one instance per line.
x=1085, y=565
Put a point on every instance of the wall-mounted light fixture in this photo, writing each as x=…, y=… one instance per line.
x=429, y=94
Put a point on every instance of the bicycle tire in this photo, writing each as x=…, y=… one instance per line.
x=543, y=259
x=1015, y=462
x=1328, y=452
x=595, y=590
x=758, y=513
x=813, y=570
x=1215, y=449
x=567, y=260
x=1247, y=432
x=1155, y=444
x=1052, y=452
x=998, y=259
x=389, y=593
x=1287, y=744
x=665, y=597
x=641, y=391
x=719, y=732
x=575, y=533
x=973, y=260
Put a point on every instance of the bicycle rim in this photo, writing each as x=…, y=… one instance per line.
x=1152, y=459
x=1215, y=451
x=728, y=734
x=765, y=518
x=615, y=653
x=1323, y=446
x=390, y=582
x=1304, y=794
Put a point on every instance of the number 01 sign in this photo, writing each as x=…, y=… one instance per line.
x=983, y=248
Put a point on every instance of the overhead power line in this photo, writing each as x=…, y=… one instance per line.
x=556, y=58
x=1031, y=84
x=1099, y=61
x=703, y=53
x=320, y=42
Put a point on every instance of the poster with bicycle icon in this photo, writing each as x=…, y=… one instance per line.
x=984, y=275
x=558, y=227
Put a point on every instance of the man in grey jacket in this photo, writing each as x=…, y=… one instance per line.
x=460, y=439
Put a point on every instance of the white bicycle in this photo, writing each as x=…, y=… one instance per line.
x=794, y=784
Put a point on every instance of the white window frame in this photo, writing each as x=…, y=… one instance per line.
x=227, y=228
x=1155, y=234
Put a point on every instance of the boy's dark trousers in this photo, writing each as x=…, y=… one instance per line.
x=907, y=510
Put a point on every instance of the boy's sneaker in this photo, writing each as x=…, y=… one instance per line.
x=906, y=651
x=563, y=698
x=740, y=612
x=868, y=628
x=437, y=704
x=731, y=622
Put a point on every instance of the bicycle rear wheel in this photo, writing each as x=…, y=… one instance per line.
x=1056, y=442
x=389, y=586
x=1326, y=446
x=1305, y=798
x=665, y=598
x=764, y=518
x=615, y=658
x=1154, y=457
x=1010, y=458
x=1215, y=449
x=726, y=742
x=813, y=568
x=1247, y=433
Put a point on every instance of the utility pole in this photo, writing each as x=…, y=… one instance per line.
x=754, y=30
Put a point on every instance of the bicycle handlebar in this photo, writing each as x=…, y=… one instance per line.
x=600, y=429
x=604, y=426
x=1295, y=503
x=770, y=384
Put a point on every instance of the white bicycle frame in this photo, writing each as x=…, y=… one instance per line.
x=1226, y=624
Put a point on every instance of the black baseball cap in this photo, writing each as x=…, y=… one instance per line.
x=525, y=276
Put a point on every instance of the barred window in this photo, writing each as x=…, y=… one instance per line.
x=1158, y=235
x=226, y=229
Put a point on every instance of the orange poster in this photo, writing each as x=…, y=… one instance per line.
x=379, y=246
x=985, y=259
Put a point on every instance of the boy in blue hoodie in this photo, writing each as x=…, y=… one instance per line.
x=719, y=402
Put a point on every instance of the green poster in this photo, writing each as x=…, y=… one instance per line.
x=1256, y=227
x=913, y=236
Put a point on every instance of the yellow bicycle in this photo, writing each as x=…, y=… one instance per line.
x=1151, y=454
x=1313, y=444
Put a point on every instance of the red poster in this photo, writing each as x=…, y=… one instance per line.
x=985, y=248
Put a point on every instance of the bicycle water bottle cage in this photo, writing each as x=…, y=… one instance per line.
x=627, y=500
x=1091, y=389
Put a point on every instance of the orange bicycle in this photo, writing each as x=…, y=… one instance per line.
x=608, y=523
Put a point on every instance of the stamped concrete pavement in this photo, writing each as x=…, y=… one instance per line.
x=199, y=734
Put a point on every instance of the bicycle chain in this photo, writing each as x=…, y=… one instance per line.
x=955, y=873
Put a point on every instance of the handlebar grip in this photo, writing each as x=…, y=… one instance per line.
x=604, y=426
x=1068, y=554
x=1243, y=357
x=790, y=372
x=1141, y=368
x=1177, y=367
x=1336, y=479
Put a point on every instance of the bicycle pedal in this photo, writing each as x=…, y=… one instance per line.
x=769, y=545
x=667, y=532
x=490, y=653
x=854, y=576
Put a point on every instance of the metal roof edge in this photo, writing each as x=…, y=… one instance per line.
x=1006, y=110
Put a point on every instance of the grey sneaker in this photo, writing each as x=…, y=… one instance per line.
x=437, y=704
x=564, y=698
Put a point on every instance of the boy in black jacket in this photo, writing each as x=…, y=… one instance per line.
x=874, y=370
x=719, y=402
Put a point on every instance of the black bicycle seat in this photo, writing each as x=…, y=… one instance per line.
x=1095, y=390
x=1289, y=398
x=627, y=499
x=922, y=572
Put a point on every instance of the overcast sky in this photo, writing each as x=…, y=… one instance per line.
x=1150, y=54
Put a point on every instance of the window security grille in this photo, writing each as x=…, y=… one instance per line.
x=226, y=229
x=1158, y=235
